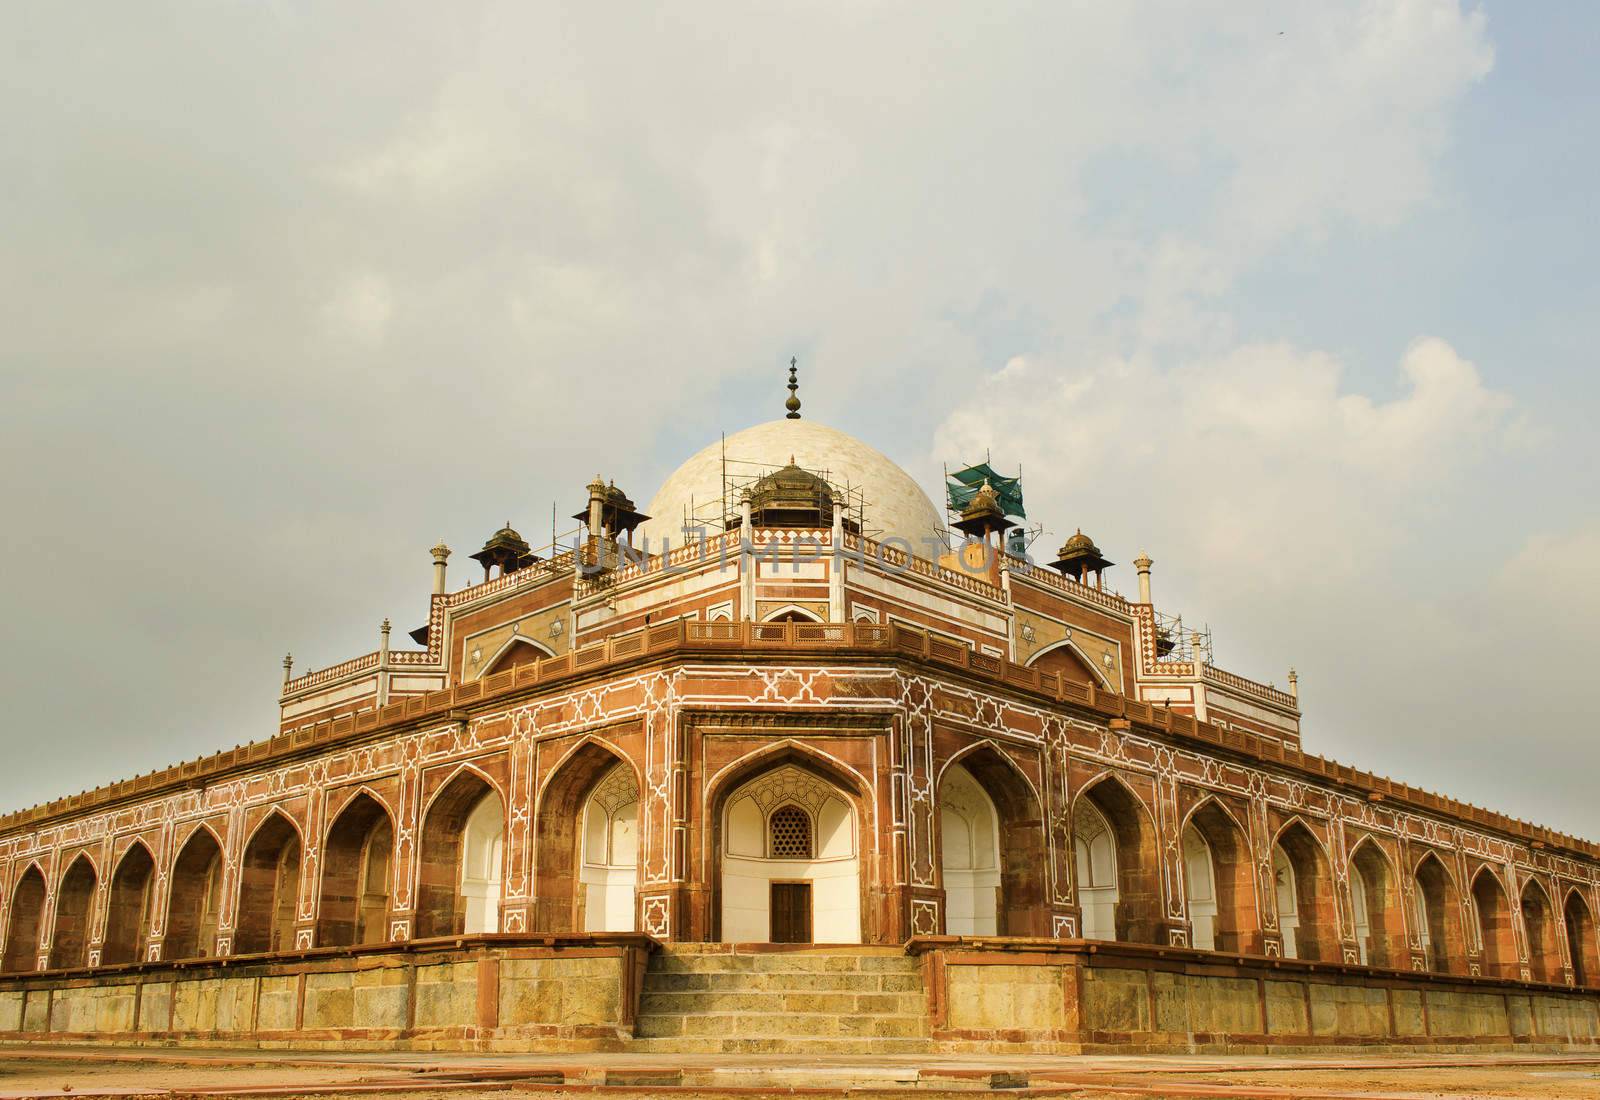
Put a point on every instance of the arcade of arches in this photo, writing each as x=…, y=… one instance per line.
x=793, y=847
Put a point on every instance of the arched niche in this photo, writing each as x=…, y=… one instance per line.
x=357, y=875
x=128, y=909
x=1065, y=661
x=1129, y=906
x=269, y=888
x=609, y=868
x=27, y=911
x=969, y=855
x=460, y=859
x=1376, y=920
x=1438, y=916
x=996, y=810
x=1496, y=936
x=194, y=898
x=789, y=867
x=1544, y=956
x=515, y=653
x=1581, y=940
x=74, y=908
x=1218, y=883
x=583, y=882
x=1303, y=880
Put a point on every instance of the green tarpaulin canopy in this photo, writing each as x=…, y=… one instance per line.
x=964, y=485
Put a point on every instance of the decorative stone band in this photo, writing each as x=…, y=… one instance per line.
x=743, y=640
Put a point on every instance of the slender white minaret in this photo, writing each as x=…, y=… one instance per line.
x=747, y=561
x=441, y=554
x=288, y=668
x=383, y=663
x=1294, y=684
x=1143, y=563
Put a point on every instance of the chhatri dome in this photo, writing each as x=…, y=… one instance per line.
x=893, y=504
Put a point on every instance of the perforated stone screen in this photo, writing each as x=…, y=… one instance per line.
x=791, y=833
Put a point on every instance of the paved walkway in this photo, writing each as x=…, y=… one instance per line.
x=78, y=1072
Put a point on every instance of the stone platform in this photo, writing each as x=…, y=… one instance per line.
x=940, y=995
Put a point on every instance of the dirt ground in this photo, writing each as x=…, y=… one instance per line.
x=79, y=1072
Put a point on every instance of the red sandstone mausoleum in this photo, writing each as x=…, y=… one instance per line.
x=790, y=703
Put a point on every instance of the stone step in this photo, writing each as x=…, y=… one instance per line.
x=784, y=981
x=675, y=962
x=781, y=1025
x=784, y=1045
x=870, y=1002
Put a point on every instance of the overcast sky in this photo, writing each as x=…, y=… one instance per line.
x=1299, y=298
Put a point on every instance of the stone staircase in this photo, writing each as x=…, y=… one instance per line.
x=762, y=999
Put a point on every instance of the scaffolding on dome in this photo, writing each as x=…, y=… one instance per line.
x=721, y=514
x=963, y=484
x=960, y=486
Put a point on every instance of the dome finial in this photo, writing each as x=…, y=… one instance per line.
x=793, y=404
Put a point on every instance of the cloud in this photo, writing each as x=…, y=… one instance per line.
x=1258, y=462
x=288, y=298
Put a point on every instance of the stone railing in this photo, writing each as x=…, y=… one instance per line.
x=1235, y=682
x=331, y=673
x=664, y=641
x=1073, y=589
x=367, y=662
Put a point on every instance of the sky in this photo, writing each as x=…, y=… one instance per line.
x=1299, y=299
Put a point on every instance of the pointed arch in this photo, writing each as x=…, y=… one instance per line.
x=1538, y=925
x=1138, y=906
x=357, y=873
x=1438, y=915
x=128, y=908
x=739, y=898
x=1013, y=825
x=74, y=909
x=1302, y=875
x=27, y=916
x=1066, y=660
x=518, y=650
x=461, y=854
x=790, y=613
x=564, y=813
x=1221, y=889
x=269, y=886
x=1581, y=942
x=194, y=896
x=1377, y=924
x=736, y=772
x=1496, y=937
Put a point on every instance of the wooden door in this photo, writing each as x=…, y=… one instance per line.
x=791, y=912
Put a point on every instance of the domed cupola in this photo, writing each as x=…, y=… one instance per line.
x=792, y=497
x=983, y=514
x=773, y=463
x=506, y=549
x=1079, y=557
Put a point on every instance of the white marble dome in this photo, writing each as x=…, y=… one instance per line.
x=895, y=504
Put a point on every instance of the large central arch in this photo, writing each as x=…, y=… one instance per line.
x=787, y=825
